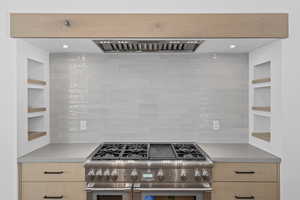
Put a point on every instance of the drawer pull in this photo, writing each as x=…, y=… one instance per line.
x=59, y=172
x=244, y=172
x=244, y=197
x=53, y=197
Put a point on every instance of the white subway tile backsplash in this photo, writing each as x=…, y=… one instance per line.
x=148, y=97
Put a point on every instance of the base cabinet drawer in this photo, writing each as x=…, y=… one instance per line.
x=53, y=190
x=245, y=191
x=52, y=172
x=258, y=172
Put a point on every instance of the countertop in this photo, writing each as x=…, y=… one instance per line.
x=62, y=152
x=75, y=152
x=238, y=153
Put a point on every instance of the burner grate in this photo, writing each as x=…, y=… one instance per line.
x=109, y=152
x=188, y=152
x=135, y=152
x=122, y=152
x=145, y=151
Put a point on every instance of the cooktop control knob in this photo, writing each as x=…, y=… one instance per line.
x=106, y=173
x=205, y=173
x=91, y=172
x=183, y=174
x=160, y=174
x=90, y=185
x=99, y=172
x=134, y=174
x=197, y=174
x=114, y=174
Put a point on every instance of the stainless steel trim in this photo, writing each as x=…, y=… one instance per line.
x=148, y=164
x=107, y=189
x=173, y=189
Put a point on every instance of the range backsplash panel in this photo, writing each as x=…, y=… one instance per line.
x=148, y=97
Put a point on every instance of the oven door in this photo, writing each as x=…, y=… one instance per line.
x=109, y=195
x=171, y=194
x=112, y=193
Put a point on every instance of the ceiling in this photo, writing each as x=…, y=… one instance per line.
x=209, y=46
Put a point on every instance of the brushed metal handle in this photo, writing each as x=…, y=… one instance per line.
x=244, y=172
x=58, y=172
x=174, y=189
x=107, y=189
x=244, y=197
x=53, y=197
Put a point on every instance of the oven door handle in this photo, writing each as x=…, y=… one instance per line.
x=174, y=189
x=106, y=189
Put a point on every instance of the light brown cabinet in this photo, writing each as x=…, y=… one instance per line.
x=246, y=190
x=245, y=172
x=51, y=190
x=52, y=180
x=234, y=181
x=52, y=172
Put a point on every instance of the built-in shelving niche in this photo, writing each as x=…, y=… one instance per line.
x=262, y=127
x=36, y=99
x=261, y=101
x=36, y=127
x=262, y=71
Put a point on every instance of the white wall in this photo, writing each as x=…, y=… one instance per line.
x=26, y=51
x=8, y=109
x=290, y=72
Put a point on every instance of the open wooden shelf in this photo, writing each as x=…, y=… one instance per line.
x=41, y=109
x=35, y=134
x=266, y=136
x=37, y=82
x=261, y=80
x=263, y=114
x=35, y=114
x=262, y=108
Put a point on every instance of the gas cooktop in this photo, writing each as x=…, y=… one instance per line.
x=148, y=151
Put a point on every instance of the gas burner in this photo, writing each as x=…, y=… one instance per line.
x=188, y=152
x=109, y=152
x=135, y=152
x=122, y=152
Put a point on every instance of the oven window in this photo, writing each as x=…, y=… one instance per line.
x=170, y=198
x=109, y=197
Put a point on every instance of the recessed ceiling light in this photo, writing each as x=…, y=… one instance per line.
x=232, y=46
x=65, y=46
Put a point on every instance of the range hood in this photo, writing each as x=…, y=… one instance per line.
x=155, y=46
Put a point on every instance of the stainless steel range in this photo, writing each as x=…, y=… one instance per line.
x=148, y=171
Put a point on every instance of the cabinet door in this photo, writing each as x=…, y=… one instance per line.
x=258, y=172
x=245, y=191
x=52, y=172
x=53, y=190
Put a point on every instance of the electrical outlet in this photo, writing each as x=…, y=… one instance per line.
x=83, y=125
x=216, y=125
